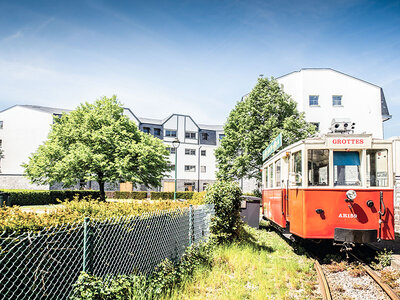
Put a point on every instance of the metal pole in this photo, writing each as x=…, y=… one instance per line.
x=176, y=167
x=198, y=171
x=190, y=224
x=85, y=243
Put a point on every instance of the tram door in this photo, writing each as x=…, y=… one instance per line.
x=285, y=183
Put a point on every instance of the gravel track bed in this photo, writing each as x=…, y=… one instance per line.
x=344, y=286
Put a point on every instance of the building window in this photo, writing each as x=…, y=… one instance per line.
x=313, y=100
x=205, y=184
x=190, y=151
x=190, y=135
x=189, y=186
x=172, y=168
x=146, y=129
x=1, y=143
x=337, y=100
x=171, y=150
x=203, y=169
x=190, y=168
x=203, y=152
x=171, y=133
x=157, y=131
x=221, y=136
x=316, y=124
x=1, y=124
x=204, y=136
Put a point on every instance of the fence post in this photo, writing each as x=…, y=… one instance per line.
x=190, y=224
x=86, y=244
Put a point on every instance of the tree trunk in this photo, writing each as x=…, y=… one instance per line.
x=102, y=192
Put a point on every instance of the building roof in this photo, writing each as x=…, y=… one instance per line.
x=45, y=109
x=211, y=127
x=384, y=108
x=151, y=121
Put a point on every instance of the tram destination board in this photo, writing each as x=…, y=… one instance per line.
x=272, y=147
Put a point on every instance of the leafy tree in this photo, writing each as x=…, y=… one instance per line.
x=254, y=122
x=97, y=142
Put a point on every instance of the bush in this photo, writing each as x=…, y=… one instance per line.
x=14, y=219
x=38, y=197
x=170, y=195
x=166, y=276
x=130, y=195
x=225, y=195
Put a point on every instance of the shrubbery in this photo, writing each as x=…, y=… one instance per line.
x=161, y=282
x=170, y=195
x=39, y=197
x=225, y=195
x=14, y=219
x=130, y=195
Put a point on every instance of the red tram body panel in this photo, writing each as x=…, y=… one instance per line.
x=344, y=193
x=307, y=224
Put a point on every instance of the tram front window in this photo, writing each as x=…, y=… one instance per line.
x=318, y=167
x=377, y=167
x=346, y=168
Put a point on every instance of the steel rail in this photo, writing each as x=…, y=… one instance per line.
x=325, y=291
x=386, y=288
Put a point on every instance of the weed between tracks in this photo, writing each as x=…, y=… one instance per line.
x=261, y=266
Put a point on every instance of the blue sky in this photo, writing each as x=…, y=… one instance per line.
x=190, y=57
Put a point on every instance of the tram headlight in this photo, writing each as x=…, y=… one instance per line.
x=351, y=194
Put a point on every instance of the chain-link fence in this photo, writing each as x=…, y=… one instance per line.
x=46, y=264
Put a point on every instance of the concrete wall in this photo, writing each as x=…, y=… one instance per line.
x=361, y=101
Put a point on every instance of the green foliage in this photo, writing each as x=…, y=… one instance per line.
x=383, y=259
x=119, y=288
x=161, y=282
x=98, y=142
x=38, y=197
x=253, y=124
x=225, y=195
x=130, y=195
x=170, y=195
x=14, y=219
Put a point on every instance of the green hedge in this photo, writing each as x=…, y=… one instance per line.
x=130, y=195
x=170, y=195
x=39, y=197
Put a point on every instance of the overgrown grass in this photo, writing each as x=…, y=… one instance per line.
x=262, y=266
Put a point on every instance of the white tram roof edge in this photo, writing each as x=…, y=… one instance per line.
x=321, y=139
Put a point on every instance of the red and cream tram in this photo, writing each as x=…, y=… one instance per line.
x=337, y=187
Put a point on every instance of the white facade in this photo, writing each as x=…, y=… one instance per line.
x=25, y=127
x=360, y=101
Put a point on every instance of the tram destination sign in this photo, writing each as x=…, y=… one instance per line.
x=272, y=147
x=348, y=142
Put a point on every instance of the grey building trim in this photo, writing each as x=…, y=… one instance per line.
x=385, y=110
x=128, y=109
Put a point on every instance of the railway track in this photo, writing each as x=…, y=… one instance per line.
x=382, y=291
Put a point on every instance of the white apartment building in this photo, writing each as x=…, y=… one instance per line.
x=24, y=127
x=326, y=94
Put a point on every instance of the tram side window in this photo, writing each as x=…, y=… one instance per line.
x=278, y=173
x=318, y=167
x=271, y=175
x=266, y=177
x=346, y=168
x=377, y=167
x=297, y=169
